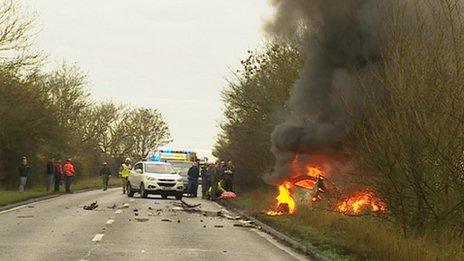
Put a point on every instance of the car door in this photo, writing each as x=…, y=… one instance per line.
x=137, y=173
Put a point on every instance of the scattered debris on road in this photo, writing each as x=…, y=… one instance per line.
x=141, y=219
x=126, y=205
x=113, y=206
x=187, y=205
x=247, y=224
x=92, y=206
x=30, y=206
x=218, y=226
x=166, y=220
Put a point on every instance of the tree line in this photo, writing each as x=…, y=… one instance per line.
x=47, y=114
x=407, y=145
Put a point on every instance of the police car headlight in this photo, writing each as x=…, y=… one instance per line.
x=151, y=179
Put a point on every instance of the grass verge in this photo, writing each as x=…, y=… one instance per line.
x=14, y=196
x=340, y=237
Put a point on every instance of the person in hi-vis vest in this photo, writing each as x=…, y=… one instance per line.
x=124, y=174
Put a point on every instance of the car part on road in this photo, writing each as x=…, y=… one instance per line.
x=91, y=206
x=124, y=206
x=187, y=205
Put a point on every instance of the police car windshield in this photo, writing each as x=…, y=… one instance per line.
x=159, y=169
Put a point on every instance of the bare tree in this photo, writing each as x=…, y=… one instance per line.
x=16, y=36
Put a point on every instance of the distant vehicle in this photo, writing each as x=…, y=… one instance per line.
x=158, y=178
x=182, y=167
x=181, y=160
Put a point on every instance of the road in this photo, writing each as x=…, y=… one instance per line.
x=60, y=229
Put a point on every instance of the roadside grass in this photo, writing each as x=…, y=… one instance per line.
x=14, y=196
x=340, y=237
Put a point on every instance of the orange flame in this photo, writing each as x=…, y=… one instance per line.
x=285, y=202
x=313, y=171
x=364, y=201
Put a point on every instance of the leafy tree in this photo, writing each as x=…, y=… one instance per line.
x=147, y=131
x=254, y=99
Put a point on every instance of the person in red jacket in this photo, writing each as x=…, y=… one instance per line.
x=68, y=170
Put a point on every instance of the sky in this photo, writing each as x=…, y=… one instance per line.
x=170, y=55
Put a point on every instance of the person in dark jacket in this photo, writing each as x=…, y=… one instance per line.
x=205, y=180
x=229, y=172
x=214, y=178
x=58, y=174
x=50, y=173
x=24, y=173
x=105, y=173
x=193, y=174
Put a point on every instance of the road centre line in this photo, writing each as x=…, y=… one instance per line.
x=110, y=221
x=118, y=211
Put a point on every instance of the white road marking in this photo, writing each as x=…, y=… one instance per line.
x=132, y=200
x=110, y=221
x=118, y=211
x=97, y=237
x=126, y=205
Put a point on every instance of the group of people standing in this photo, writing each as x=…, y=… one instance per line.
x=215, y=179
x=56, y=174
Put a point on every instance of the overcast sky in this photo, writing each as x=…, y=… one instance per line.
x=172, y=55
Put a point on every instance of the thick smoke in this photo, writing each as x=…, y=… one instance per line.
x=342, y=39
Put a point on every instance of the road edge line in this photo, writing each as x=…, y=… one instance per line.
x=306, y=248
x=42, y=198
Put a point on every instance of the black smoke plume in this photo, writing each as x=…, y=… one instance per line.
x=342, y=39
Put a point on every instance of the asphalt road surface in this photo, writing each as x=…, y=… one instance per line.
x=135, y=229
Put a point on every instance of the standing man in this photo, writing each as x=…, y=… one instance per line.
x=193, y=174
x=124, y=171
x=214, y=180
x=50, y=173
x=24, y=172
x=58, y=174
x=105, y=173
x=205, y=180
x=69, y=171
x=229, y=176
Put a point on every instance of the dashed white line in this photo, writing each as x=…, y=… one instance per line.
x=97, y=237
x=118, y=211
x=110, y=221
